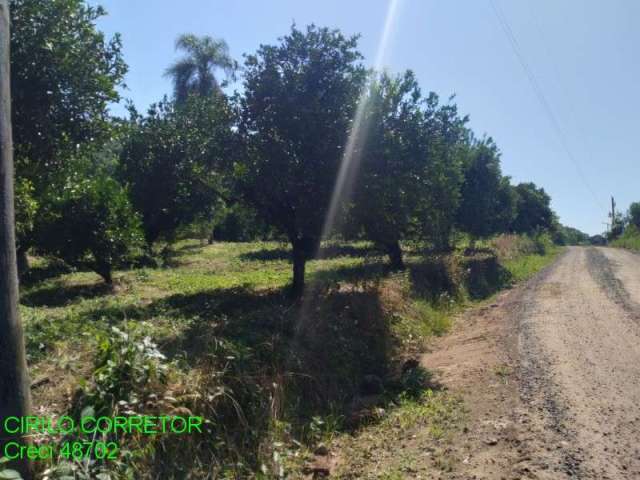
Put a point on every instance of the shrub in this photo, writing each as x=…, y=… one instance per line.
x=128, y=364
x=90, y=224
x=543, y=243
x=629, y=239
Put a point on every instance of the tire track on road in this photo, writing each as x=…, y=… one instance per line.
x=602, y=271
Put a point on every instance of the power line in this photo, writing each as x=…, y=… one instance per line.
x=537, y=89
x=565, y=90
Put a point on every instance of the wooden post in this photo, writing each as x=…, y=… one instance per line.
x=15, y=398
x=613, y=212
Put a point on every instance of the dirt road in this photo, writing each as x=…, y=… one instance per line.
x=579, y=347
x=552, y=374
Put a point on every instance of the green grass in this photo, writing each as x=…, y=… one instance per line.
x=267, y=371
x=526, y=266
x=432, y=417
x=429, y=419
x=630, y=240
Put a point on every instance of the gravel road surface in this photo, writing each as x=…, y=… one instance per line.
x=579, y=351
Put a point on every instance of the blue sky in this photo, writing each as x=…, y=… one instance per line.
x=582, y=53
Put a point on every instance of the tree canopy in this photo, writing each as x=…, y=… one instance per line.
x=634, y=214
x=488, y=203
x=299, y=100
x=533, y=209
x=64, y=74
x=173, y=161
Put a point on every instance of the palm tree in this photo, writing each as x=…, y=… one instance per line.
x=194, y=73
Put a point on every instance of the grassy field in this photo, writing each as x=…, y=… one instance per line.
x=213, y=333
x=630, y=240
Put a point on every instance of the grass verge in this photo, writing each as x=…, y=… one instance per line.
x=213, y=334
x=630, y=239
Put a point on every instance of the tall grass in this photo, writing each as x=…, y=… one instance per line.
x=630, y=239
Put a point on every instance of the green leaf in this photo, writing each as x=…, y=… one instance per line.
x=10, y=475
x=88, y=412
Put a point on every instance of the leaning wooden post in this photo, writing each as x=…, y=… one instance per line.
x=15, y=399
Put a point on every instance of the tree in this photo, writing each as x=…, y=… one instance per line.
x=445, y=139
x=488, y=200
x=14, y=378
x=173, y=161
x=91, y=224
x=533, y=209
x=393, y=157
x=298, y=104
x=239, y=223
x=195, y=72
x=563, y=235
x=634, y=214
x=64, y=73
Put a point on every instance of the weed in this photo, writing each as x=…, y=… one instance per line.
x=503, y=372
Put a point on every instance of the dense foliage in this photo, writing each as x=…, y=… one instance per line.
x=393, y=157
x=90, y=223
x=259, y=164
x=625, y=232
x=405, y=170
x=488, y=203
x=173, y=158
x=299, y=100
x=633, y=217
x=563, y=235
x=533, y=209
x=64, y=74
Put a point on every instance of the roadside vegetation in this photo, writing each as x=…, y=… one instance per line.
x=189, y=259
x=626, y=234
x=215, y=334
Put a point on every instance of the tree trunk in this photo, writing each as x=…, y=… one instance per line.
x=395, y=255
x=299, y=264
x=23, y=262
x=104, y=270
x=14, y=380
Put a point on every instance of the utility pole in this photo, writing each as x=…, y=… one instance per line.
x=15, y=398
x=613, y=211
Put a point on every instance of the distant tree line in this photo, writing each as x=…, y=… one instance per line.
x=99, y=192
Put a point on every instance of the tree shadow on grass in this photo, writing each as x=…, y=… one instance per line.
x=321, y=353
x=59, y=294
x=352, y=273
x=39, y=273
x=238, y=317
x=277, y=359
x=326, y=252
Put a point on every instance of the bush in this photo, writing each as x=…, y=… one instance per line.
x=510, y=246
x=543, y=243
x=91, y=224
x=629, y=239
x=127, y=364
